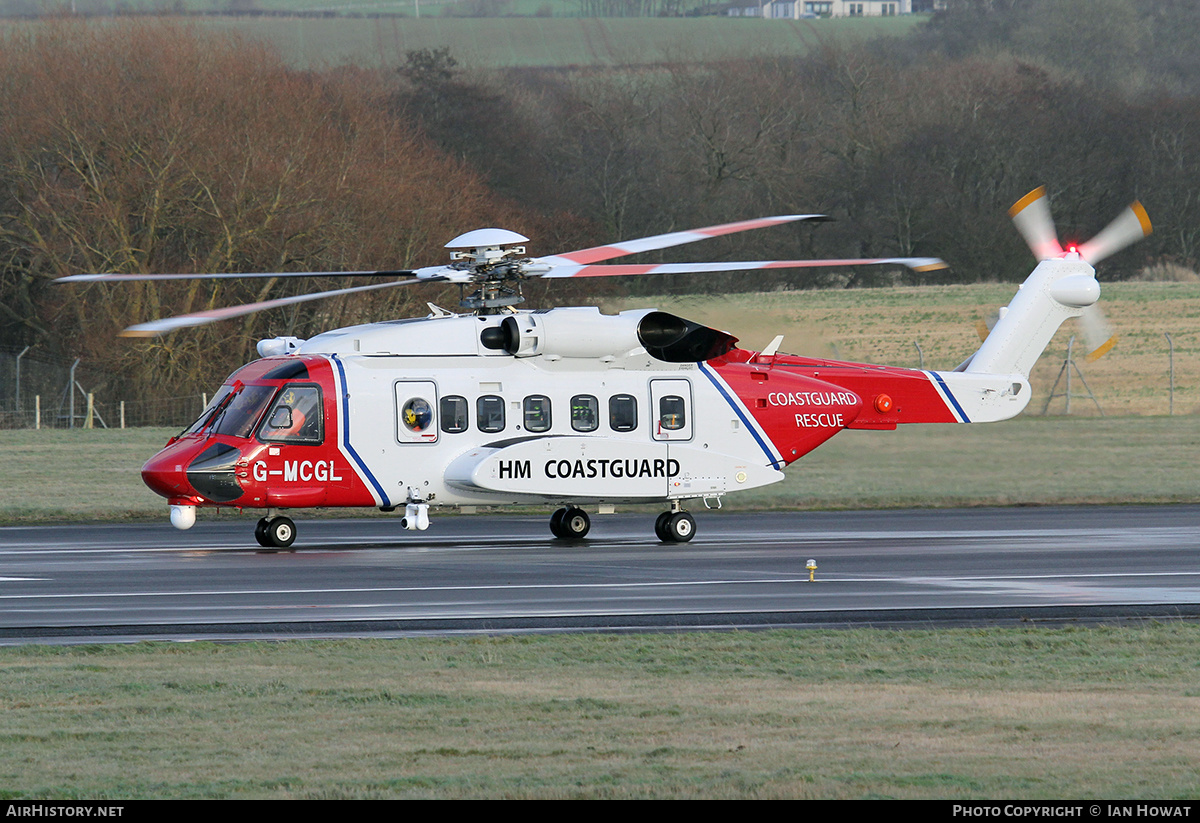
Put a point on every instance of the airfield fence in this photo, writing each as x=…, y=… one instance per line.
x=39, y=390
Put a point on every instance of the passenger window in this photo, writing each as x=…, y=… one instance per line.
x=490, y=413
x=585, y=413
x=454, y=414
x=295, y=418
x=417, y=415
x=537, y=413
x=622, y=412
x=671, y=414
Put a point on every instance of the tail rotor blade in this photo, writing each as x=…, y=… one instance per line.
x=1130, y=226
x=1097, y=332
x=1031, y=216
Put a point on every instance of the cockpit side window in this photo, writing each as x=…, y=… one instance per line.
x=295, y=417
x=206, y=415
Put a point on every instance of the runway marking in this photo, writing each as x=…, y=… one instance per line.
x=959, y=581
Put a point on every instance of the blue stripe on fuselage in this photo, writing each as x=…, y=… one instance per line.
x=949, y=396
x=737, y=408
x=345, y=400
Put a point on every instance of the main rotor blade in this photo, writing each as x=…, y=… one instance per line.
x=1031, y=215
x=916, y=263
x=200, y=318
x=1130, y=226
x=662, y=241
x=101, y=278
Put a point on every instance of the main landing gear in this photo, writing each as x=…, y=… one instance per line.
x=674, y=526
x=276, y=532
x=570, y=523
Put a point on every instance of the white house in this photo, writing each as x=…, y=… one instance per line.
x=801, y=9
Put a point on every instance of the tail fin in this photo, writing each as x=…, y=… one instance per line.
x=1062, y=286
x=1057, y=289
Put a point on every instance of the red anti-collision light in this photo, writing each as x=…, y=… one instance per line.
x=883, y=403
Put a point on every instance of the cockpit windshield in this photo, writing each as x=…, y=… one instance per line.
x=240, y=415
x=233, y=411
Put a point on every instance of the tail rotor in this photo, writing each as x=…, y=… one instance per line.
x=1062, y=286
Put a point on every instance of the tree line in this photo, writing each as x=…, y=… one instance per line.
x=139, y=146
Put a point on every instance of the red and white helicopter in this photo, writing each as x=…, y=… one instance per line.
x=569, y=406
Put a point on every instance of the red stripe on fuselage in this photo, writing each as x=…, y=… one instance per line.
x=802, y=402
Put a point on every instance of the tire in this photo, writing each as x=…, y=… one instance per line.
x=260, y=533
x=556, y=526
x=660, y=528
x=681, y=527
x=576, y=524
x=281, y=532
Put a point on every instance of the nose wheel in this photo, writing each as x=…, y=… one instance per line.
x=570, y=523
x=275, y=532
x=675, y=527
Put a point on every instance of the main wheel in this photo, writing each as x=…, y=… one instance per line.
x=260, y=533
x=575, y=524
x=680, y=527
x=660, y=527
x=281, y=532
x=556, y=527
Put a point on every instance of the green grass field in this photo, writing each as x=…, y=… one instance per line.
x=510, y=42
x=1016, y=714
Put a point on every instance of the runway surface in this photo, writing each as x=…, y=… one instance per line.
x=506, y=573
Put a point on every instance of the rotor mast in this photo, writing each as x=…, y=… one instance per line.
x=496, y=262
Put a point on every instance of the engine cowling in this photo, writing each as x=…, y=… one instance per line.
x=589, y=334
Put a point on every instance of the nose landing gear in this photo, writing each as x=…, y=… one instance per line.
x=276, y=532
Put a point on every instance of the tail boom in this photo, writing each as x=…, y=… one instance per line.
x=1057, y=290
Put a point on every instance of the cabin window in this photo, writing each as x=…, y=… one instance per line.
x=537, y=413
x=490, y=413
x=296, y=417
x=585, y=413
x=454, y=414
x=671, y=413
x=417, y=415
x=622, y=412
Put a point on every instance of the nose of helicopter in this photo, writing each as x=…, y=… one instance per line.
x=207, y=469
x=166, y=472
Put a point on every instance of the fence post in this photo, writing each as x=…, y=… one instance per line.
x=37, y=411
x=122, y=414
x=17, y=397
x=1171, y=361
x=71, y=392
x=91, y=398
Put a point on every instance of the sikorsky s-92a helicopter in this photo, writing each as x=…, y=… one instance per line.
x=568, y=406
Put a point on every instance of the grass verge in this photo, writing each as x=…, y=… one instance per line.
x=1027, y=713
